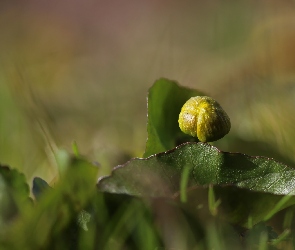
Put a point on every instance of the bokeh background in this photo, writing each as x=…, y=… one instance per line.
x=80, y=71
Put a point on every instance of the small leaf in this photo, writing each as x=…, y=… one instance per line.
x=39, y=186
x=14, y=194
x=75, y=149
x=165, y=99
x=16, y=182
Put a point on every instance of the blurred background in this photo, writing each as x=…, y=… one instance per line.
x=80, y=71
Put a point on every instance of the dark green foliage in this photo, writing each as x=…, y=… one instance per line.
x=192, y=196
x=14, y=195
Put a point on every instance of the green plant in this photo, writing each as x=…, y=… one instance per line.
x=183, y=194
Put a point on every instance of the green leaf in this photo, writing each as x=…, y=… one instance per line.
x=14, y=194
x=39, y=186
x=15, y=181
x=165, y=99
x=160, y=174
x=261, y=179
